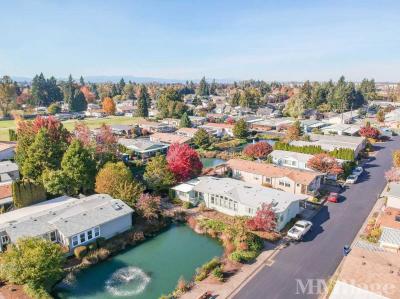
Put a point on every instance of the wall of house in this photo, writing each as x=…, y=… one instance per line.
x=116, y=226
x=393, y=202
x=282, y=183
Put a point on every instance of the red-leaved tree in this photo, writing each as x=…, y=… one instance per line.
x=258, y=150
x=230, y=120
x=264, y=220
x=106, y=142
x=149, y=206
x=325, y=163
x=369, y=132
x=393, y=175
x=83, y=134
x=183, y=161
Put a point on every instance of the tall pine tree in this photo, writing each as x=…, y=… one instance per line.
x=142, y=102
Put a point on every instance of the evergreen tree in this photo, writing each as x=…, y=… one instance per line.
x=38, y=90
x=203, y=89
x=185, y=121
x=81, y=81
x=43, y=154
x=240, y=129
x=202, y=139
x=8, y=95
x=213, y=88
x=196, y=101
x=121, y=85
x=142, y=102
x=78, y=101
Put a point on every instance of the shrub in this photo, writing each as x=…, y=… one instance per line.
x=102, y=253
x=26, y=193
x=92, y=246
x=80, y=252
x=187, y=205
x=101, y=242
x=243, y=256
x=217, y=273
x=215, y=225
x=36, y=292
x=202, y=207
x=204, y=270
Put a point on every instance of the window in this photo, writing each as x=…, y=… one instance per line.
x=235, y=206
x=53, y=236
x=287, y=184
x=5, y=239
x=74, y=241
x=250, y=210
x=268, y=180
x=397, y=218
x=97, y=231
x=281, y=183
x=82, y=237
x=90, y=234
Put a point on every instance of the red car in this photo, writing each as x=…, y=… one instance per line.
x=333, y=197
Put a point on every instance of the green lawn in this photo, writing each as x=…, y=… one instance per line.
x=69, y=124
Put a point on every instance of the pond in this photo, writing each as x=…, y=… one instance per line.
x=211, y=162
x=146, y=271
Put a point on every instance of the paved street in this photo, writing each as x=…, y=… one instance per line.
x=321, y=252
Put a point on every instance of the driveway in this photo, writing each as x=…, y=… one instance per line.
x=318, y=256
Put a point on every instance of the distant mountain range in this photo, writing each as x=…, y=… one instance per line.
x=101, y=79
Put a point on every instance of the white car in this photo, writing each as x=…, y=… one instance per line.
x=358, y=171
x=351, y=179
x=299, y=229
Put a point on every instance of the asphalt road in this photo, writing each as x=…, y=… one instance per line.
x=321, y=251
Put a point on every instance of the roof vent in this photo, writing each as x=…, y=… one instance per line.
x=116, y=206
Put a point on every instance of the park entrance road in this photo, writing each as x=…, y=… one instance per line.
x=321, y=251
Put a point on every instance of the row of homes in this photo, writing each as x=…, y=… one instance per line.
x=238, y=198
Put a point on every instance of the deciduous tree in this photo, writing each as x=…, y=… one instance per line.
x=369, y=132
x=149, y=206
x=325, y=163
x=158, y=176
x=259, y=150
x=8, y=95
x=293, y=132
x=396, y=158
x=33, y=261
x=183, y=161
x=116, y=179
x=264, y=220
x=108, y=106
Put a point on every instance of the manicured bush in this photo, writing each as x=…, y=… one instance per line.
x=92, y=246
x=36, y=292
x=216, y=225
x=206, y=269
x=187, y=205
x=26, y=193
x=80, y=252
x=217, y=273
x=100, y=242
x=242, y=256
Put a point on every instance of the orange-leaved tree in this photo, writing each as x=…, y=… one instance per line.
x=109, y=106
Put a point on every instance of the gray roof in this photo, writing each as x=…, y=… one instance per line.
x=141, y=144
x=280, y=154
x=330, y=142
x=247, y=194
x=8, y=166
x=393, y=190
x=68, y=215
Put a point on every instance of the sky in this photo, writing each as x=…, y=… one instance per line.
x=285, y=40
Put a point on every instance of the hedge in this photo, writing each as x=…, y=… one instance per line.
x=26, y=193
x=343, y=153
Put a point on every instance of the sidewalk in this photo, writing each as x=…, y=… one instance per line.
x=378, y=205
x=229, y=288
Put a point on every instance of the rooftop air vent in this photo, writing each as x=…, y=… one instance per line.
x=116, y=206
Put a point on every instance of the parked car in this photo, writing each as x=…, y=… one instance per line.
x=358, y=171
x=333, y=197
x=299, y=229
x=351, y=179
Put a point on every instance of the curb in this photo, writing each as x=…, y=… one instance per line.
x=256, y=270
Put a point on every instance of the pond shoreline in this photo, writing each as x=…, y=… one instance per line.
x=176, y=230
